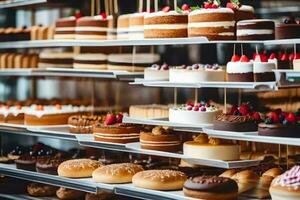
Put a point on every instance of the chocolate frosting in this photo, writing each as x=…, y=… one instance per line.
x=211, y=184
x=233, y=118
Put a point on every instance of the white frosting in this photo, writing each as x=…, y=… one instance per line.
x=162, y=13
x=247, y=8
x=136, y=28
x=244, y=32
x=136, y=35
x=91, y=28
x=296, y=64
x=61, y=29
x=225, y=24
x=261, y=67
x=252, y=21
x=226, y=34
x=239, y=67
x=157, y=75
x=207, y=11
x=15, y=111
x=134, y=15
x=165, y=26
x=138, y=58
x=90, y=56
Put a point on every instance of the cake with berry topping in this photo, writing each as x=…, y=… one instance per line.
x=212, y=22
x=240, y=69
x=136, y=26
x=239, y=119
x=262, y=69
x=281, y=61
x=157, y=73
x=92, y=28
x=160, y=139
x=197, y=73
x=288, y=29
x=12, y=114
x=115, y=131
x=242, y=12
x=65, y=28
x=255, y=29
x=280, y=124
x=166, y=24
x=201, y=113
x=204, y=147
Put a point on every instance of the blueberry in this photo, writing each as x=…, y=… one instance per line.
x=290, y=20
x=41, y=152
x=236, y=113
x=281, y=118
x=269, y=121
x=286, y=122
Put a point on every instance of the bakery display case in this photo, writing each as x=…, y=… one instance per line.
x=149, y=99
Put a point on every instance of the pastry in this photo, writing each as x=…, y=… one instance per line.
x=286, y=186
x=149, y=111
x=48, y=164
x=239, y=119
x=69, y=194
x=166, y=24
x=136, y=26
x=77, y=168
x=130, y=62
x=116, y=173
x=83, y=124
x=90, y=61
x=12, y=114
x=255, y=29
x=41, y=190
x=92, y=28
x=197, y=73
x=113, y=130
x=101, y=195
x=159, y=180
x=160, y=139
x=26, y=162
x=240, y=69
x=65, y=28
x=211, y=188
x=289, y=29
x=50, y=59
x=157, y=73
x=212, y=22
x=201, y=113
x=204, y=147
x=123, y=26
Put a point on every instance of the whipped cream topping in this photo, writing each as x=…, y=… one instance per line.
x=201, y=108
x=200, y=67
x=14, y=110
x=225, y=24
x=291, y=177
x=206, y=11
x=246, y=8
x=162, y=13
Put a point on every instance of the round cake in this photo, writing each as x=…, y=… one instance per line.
x=194, y=114
x=160, y=139
x=244, y=12
x=213, y=23
x=289, y=29
x=83, y=124
x=240, y=70
x=136, y=26
x=90, y=61
x=211, y=148
x=65, y=28
x=48, y=164
x=91, y=28
x=255, y=29
x=163, y=180
x=211, y=187
x=49, y=59
x=157, y=73
x=116, y=173
x=197, y=73
x=263, y=70
x=123, y=26
x=166, y=24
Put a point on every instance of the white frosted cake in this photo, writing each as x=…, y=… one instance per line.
x=90, y=61
x=197, y=73
x=136, y=26
x=188, y=114
x=157, y=73
x=240, y=71
x=263, y=71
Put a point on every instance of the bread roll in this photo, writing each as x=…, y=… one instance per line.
x=68, y=194
x=77, y=168
x=246, y=180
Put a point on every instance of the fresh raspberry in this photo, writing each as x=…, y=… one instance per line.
x=235, y=58
x=244, y=109
x=196, y=108
x=291, y=118
x=103, y=14
x=189, y=107
x=203, y=109
x=275, y=117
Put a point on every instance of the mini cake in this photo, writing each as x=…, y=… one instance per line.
x=240, y=70
x=280, y=124
x=241, y=119
x=157, y=73
x=211, y=187
x=116, y=173
x=48, y=164
x=289, y=29
x=197, y=73
x=13, y=114
x=65, y=28
x=163, y=180
x=286, y=186
x=55, y=59
x=212, y=22
x=136, y=26
x=26, y=162
x=90, y=61
x=94, y=27
x=211, y=148
x=123, y=26
x=129, y=62
x=38, y=115
x=83, y=124
x=244, y=12
x=166, y=24
x=255, y=29
x=160, y=139
x=41, y=190
x=263, y=70
x=202, y=113
x=281, y=61
x=113, y=130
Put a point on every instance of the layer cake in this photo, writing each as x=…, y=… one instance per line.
x=91, y=28
x=90, y=61
x=255, y=29
x=289, y=29
x=240, y=70
x=65, y=28
x=55, y=59
x=136, y=26
x=123, y=26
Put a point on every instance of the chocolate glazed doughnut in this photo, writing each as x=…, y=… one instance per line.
x=211, y=188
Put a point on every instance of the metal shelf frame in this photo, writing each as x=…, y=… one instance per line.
x=19, y=3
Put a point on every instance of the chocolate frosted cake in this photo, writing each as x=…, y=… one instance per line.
x=255, y=29
x=288, y=29
x=48, y=164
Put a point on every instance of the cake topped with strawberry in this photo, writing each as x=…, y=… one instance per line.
x=242, y=12
x=240, y=69
x=212, y=21
x=262, y=69
x=280, y=124
x=239, y=119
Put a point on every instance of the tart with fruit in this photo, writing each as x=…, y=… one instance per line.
x=200, y=113
x=239, y=119
x=157, y=73
x=280, y=124
x=83, y=124
x=290, y=28
x=115, y=131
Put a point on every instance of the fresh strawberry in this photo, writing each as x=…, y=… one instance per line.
x=244, y=58
x=297, y=56
x=256, y=116
x=231, y=6
x=166, y=9
x=233, y=109
x=235, y=58
x=185, y=7
x=103, y=14
x=254, y=56
x=214, y=6
x=264, y=58
x=273, y=56
x=58, y=106
x=119, y=118
x=110, y=119
x=291, y=118
x=207, y=5
x=244, y=109
x=39, y=107
x=298, y=21
x=275, y=117
x=284, y=57
x=291, y=56
x=78, y=14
